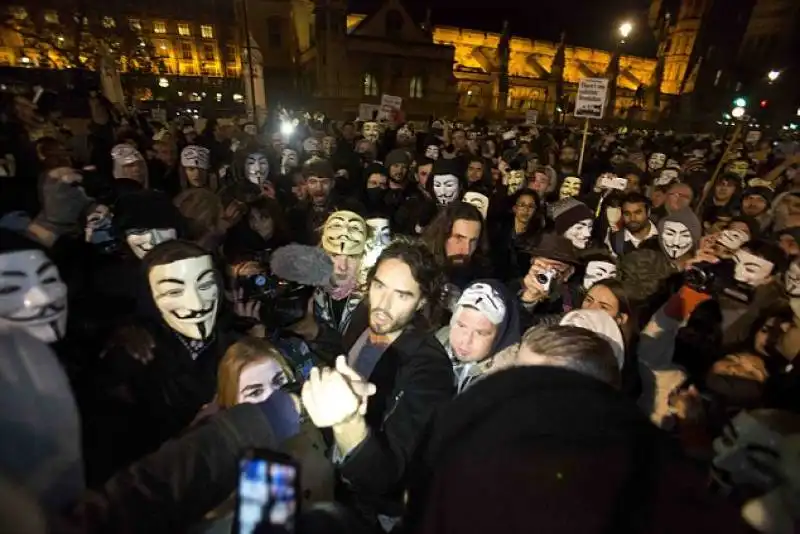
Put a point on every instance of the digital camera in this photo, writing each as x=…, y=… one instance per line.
x=718, y=279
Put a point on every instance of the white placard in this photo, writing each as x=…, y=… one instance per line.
x=366, y=112
x=392, y=102
x=531, y=116
x=159, y=114
x=390, y=107
x=753, y=137
x=591, y=100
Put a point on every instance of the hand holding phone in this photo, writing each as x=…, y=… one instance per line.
x=268, y=493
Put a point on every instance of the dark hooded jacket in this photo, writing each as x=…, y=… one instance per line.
x=508, y=334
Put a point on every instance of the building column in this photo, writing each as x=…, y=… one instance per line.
x=254, y=86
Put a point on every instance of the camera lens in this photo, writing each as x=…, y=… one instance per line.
x=543, y=278
x=261, y=280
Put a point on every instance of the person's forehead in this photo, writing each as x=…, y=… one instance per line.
x=465, y=228
x=470, y=316
x=601, y=293
x=396, y=275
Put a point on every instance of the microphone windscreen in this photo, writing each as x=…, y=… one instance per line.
x=302, y=264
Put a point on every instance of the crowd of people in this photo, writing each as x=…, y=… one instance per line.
x=471, y=328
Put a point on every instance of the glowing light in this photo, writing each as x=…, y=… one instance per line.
x=237, y=97
x=163, y=82
x=740, y=102
x=737, y=112
x=219, y=97
x=25, y=60
x=625, y=29
x=773, y=75
x=287, y=128
x=469, y=93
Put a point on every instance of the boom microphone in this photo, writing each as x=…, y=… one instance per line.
x=302, y=264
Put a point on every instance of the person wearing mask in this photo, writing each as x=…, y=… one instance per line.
x=755, y=265
x=344, y=237
x=388, y=344
x=637, y=225
x=376, y=186
x=130, y=169
x=679, y=235
x=545, y=293
x=158, y=371
x=485, y=322
x=573, y=220
x=458, y=239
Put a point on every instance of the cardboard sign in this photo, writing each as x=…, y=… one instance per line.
x=591, y=100
x=531, y=116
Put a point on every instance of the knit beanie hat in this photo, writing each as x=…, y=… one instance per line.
x=567, y=212
x=398, y=155
x=146, y=210
x=765, y=192
x=447, y=166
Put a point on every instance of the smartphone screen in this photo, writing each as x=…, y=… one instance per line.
x=267, y=493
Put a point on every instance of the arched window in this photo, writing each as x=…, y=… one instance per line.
x=415, y=87
x=370, y=85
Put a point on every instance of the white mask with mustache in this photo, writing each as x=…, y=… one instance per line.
x=187, y=295
x=142, y=241
x=32, y=295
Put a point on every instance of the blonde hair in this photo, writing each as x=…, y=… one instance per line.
x=244, y=352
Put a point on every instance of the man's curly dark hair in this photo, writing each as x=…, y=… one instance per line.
x=426, y=273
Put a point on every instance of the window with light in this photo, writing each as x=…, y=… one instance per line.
x=51, y=17
x=135, y=24
x=108, y=22
x=159, y=27
x=183, y=29
x=415, y=88
x=370, y=85
x=207, y=31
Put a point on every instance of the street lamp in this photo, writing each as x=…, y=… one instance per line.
x=773, y=75
x=737, y=112
x=625, y=30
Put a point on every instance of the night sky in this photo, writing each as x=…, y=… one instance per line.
x=590, y=23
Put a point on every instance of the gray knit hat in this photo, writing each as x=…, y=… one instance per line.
x=567, y=212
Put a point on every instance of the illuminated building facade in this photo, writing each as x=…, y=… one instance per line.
x=161, y=51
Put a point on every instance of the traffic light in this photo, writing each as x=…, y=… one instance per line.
x=740, y=102
x=764, y=103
